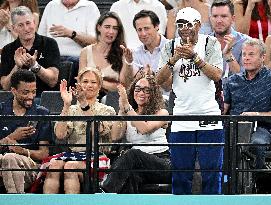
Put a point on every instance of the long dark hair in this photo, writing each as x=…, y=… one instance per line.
x=255, y=14
x=115, y=54
x=156, y=101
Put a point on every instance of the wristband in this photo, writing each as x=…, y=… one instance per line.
x=170, y=65
x=128, y=62
x=128, y=109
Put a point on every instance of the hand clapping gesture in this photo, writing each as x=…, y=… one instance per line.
x=184, y=50
x=4, y=17
x=123, y=99
x=66, y=94
x=127, y=53
x=21, y=57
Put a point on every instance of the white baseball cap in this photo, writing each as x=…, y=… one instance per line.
x=189, y=14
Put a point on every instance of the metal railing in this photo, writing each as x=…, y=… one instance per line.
x=230, y=168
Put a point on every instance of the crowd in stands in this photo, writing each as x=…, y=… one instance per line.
x=208, y=57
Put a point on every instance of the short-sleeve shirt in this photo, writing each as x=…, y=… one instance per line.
x=81, y=18
x=195, y=92
x=43, y=128
x=48, y=56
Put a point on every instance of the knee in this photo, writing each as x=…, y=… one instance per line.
x=56, y=164
x=9, y=159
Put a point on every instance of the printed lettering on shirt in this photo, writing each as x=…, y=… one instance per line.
x=188, y=70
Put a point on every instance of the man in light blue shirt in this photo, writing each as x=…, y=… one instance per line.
x=146, y=56
x=222, y=19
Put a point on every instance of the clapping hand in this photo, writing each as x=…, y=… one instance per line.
x=21, y=57
x=127, y=53
x=66, y=94
x=4, y=17
x=229, y=39
x=123, y=100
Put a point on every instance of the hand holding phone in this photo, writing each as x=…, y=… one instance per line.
x=32, y=124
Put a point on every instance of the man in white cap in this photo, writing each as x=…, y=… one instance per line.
x=191, y=64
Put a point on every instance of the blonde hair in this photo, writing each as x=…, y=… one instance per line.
x=95, y=71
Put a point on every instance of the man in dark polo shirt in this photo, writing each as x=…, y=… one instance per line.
x=31, y=51
x=249, y=93
x=33, y=133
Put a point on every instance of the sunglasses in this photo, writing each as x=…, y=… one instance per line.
x=145, y=90
x=188, y=25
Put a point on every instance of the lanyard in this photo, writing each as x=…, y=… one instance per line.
x=261, y=30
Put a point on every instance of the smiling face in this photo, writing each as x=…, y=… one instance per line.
x=146, y=31
x=142, y=92
x=188, y=30
x=90, y=84
x=108, y=30
x=25, y=93
x=24, y=26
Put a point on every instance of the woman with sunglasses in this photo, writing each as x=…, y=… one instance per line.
x=143, y=98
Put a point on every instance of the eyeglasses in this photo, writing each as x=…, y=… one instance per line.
x=188, y=25
x=145, y=90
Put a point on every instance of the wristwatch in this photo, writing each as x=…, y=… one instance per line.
x=73, y=34
x=36, y=67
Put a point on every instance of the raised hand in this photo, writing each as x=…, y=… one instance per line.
x=123, y=99
x=229, y=39
x=31, y=60
x=66, y=94
x=20, y=57
x=127, y=53
x=4, y=17
x=80, y=93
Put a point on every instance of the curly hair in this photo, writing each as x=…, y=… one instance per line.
x=115, y=54
x=155, y=104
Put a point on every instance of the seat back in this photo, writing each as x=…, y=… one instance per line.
x=5, y=95
x=52, y=100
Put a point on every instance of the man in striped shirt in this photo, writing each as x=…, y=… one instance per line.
x=249, y=93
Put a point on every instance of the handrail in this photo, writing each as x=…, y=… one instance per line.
x=231, y=143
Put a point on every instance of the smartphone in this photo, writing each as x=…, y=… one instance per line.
x=32, y=123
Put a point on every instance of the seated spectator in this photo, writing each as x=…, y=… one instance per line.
x=109, y=54
x=143, y=98
x=252, y=17
x=202, y=6
x=86, y=91
x=72, y=24
x=34, y=134
x=31, y=51
x=249, y=93
x=7, y=33
x=126, y=9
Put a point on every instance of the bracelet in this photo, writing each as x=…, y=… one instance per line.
x=128, y=109
x=230, y=59
x=85, y=108
x=73, y=34
x=128, y=63
x=170, y=65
